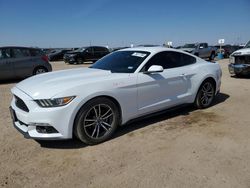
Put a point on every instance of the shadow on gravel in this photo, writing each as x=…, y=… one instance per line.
x=12, y=81
x=241, y=77
x=134, y=125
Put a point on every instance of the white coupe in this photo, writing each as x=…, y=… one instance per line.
x=91, y=103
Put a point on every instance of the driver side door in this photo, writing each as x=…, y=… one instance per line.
x=161, y=90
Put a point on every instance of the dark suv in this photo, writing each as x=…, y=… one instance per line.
x=57, y=55
x=21, y=62
x=92, y=53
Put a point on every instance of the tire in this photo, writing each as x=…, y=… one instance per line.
x=39, y=70
x=79, y=61
x=238, y=75
x=205, y=95
x=92, y=125
x=212, y=56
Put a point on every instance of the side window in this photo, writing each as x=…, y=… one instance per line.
x=2, y=54
x=170, y=60
x=36, y=52
x=97, y=49
x=5, y=53
x=187, y=60
x=89, y=50
x=19, y=52
x=204, y=45
x=101, y=49
x=158, y=59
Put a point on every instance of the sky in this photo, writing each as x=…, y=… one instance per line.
x=116, y=23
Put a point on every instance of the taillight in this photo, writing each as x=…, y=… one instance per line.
x=45, y=58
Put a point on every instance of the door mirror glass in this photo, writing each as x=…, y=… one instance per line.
x=155, y=68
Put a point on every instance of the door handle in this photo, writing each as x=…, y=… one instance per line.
x=183, y=75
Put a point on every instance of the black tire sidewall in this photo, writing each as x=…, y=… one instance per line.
x=198, y=103
x=79, y=60
x=79, y=131
x=35, y=70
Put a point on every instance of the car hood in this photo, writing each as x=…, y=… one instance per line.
x=187, y=49
x=244, y=51
x=47, y=85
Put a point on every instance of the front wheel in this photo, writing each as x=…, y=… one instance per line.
x=79, y=61
x=97, y=121
x=205, y=95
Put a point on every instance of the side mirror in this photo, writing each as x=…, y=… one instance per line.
x=154, y=69
x=201, y=47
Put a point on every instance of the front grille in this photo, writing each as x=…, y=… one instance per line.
x=20, y=104
x=242, y=59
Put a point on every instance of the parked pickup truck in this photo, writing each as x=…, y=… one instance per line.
x=201, y=50
x=240, y=61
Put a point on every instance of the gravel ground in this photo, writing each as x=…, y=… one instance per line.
x=180, y=148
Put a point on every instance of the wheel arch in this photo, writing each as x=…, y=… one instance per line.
x=37, y=67
x=208, y=78
x=113, y=99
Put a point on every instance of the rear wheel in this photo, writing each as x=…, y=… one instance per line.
x=205, y=95
x=97, y=121
x=39, y=70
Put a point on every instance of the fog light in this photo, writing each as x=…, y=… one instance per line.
x=46, y=129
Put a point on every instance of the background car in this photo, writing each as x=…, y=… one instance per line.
x=84, y=54
x=57, y=55
x=201, y=50
x=122, y=86
x=227, y=50
x=240, y=62
x=21, y=62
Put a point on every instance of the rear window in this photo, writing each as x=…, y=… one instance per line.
x=36, y=52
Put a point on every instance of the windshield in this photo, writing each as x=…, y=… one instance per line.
x=189, y=46
x=79, y=50
x=121, y=61
x=247, y=45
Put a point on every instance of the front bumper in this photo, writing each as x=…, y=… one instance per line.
x=243, y=69
x=35, y=122
x=69, y=59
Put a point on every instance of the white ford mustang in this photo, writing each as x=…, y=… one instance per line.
x=91, y=102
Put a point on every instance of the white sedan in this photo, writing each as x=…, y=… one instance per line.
x=91, y=102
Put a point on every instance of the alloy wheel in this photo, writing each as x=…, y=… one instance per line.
x=98, y=121
x=207, y=94
x=40, y=71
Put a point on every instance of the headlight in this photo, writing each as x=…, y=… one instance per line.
x=47, y=103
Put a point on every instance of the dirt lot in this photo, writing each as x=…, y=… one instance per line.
x=180, y=148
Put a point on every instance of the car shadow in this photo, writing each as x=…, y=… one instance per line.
x=136, y=124
x=11, y=81
x=241, y=77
